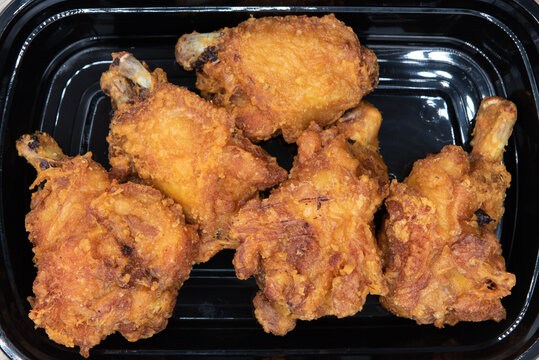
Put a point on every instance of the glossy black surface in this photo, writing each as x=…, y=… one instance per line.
x=436, y=63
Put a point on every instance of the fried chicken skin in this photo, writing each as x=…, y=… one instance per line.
x=310, y=245
x=442, y=260
x=278, y=74
x=184, y=146
x=110, y=257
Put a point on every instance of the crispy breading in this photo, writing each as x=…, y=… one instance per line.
x=278, y=74
x=190, y=150
x=310, y=245
x=110, y=257
x=442, y=259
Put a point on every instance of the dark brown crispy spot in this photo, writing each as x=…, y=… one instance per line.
x=301, y=246
x=208, y=55
x=491, y=285
x=320, y=198
x=137, y=273
x=127, y=250
x=34, y=143
x=44, y=164
x=483, y=218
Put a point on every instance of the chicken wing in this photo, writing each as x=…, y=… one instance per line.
x=442, y=260
x=110, y=257
x=278, y=74
x=184, y=146
x=310, y=245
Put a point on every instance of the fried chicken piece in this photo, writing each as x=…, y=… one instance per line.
x=110, y=257
x=310, y=245
x=184, y=146
x=442, y=260
x=278, y=74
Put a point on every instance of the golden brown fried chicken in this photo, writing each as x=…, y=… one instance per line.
x=442, y=261
x=310, y=245
x=184, y=146
x=110, y=257
x=278, y=74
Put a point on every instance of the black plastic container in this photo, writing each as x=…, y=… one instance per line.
x=437, y=60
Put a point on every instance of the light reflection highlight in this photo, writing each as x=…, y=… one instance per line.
x=437, y=55
x=470, y=107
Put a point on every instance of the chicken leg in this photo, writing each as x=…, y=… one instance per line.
x=185, y=147
x=442, y=260
x=110, y=257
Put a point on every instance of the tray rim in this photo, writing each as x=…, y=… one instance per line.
x=19, y=5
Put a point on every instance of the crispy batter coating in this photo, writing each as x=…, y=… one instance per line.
x=442, y=261
x=190, y=150
x=278, y=74
x=310, y=245
x=110, y=257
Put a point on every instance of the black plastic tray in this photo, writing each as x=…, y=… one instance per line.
x=437, y=60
